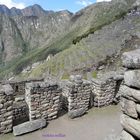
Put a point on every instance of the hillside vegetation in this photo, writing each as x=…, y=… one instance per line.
x=93, y=36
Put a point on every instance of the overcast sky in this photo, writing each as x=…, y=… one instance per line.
x=56, y=5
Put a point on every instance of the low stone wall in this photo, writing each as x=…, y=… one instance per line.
x=6, y=110
x=130, y=97
x=19, y=86
x=78, y=92
x=43, y=100
x=103, y=91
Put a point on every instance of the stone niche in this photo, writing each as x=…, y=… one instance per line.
x=20, y=112
x=43, y=99
x=103, y=91
x=6, y=110
x=77, y=92
x=18, y=87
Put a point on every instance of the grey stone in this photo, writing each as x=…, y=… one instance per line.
x=53, y=114
x=18, y=99
x=132, y=78
x=76, y=78
x=76, y=113
x=138, y=108
x=56, y=97
x=129, y=107
x=129, y=93
x=131, y=59
x=1, y=106
x=29, y=127
x=126, y=136
x=131, y=125
x=7, y=122
x=7, y=89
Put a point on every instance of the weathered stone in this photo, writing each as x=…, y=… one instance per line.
x=7, y=89
x=131, y=125
x=132, y=78
x=56, y=97
x=29, y=127
x=7, y=122
x=129, y=107
x=52, y=114
x=131, y=59
x=1, y=106
x=138, y=108
x=76, y=113
x=18, y=99
x=129, y=93
x=126, y=136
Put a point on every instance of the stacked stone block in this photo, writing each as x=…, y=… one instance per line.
x=43, y=100
x=103, y=91
x=78, y=92
x=6, y=111
x=130, y=96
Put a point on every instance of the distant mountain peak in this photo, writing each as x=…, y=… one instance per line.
x=34, y=10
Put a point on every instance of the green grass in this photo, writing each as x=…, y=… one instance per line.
x=94, y=74
x=65, y=76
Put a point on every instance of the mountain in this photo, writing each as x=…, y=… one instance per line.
x=34, y=10
x=27, y=29
x=62, y=43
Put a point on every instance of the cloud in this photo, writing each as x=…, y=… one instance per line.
x=84, y=2
x=11, y=3
x=102, y=0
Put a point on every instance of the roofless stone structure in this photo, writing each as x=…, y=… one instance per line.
x=23, y=102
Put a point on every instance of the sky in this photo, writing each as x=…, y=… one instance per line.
x=56, y=5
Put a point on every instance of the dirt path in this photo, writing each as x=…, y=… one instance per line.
x=95, y=125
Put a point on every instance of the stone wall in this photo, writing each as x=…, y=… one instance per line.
x=103, y=91
x=6, y=111
x=78, y=92
x=43, y=100
x=36, y=100
x=130, y=96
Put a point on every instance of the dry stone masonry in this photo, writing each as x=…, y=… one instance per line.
x=78, y=92
x=29, y=101
x=105, y=88
x=130, y=96
x=43, y=100
x=6, y=111
x=103, y=91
